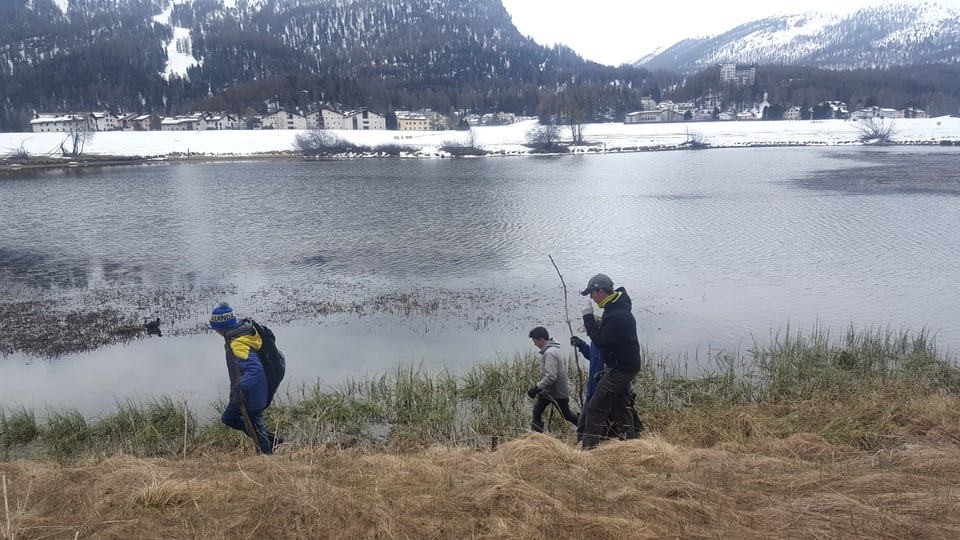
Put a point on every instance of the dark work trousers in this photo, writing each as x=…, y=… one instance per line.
x=628, y=431
x=562, y=405
x=233, y=417
x=612, y=427
x=609, y=400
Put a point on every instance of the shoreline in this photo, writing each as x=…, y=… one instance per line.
x=130, y=148
x=13, y=166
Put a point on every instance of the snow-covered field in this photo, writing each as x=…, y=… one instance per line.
x=501, y=139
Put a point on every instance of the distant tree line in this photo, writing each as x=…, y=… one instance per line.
x=934, y=88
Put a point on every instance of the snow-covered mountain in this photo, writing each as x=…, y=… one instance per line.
x=890, y=34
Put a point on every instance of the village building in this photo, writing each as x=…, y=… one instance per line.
x=143, y=122
x=324, y=118
x=283, y=119
x=657, y=115
x=103, y=121
x=498, y=119
x=183, y=123
x=876, y=112
x=729, y=73
x=57, y=123
x=435, y=120
x=364, y=120
x=412, y=121
x=222, y=121
x=702, y=115
x=912, y=112
x=125, y=121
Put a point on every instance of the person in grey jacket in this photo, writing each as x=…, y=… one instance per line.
x=552, y=386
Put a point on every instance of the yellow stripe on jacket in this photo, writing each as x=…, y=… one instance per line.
x=241, y=346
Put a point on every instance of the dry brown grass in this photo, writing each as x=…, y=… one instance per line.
x=760, y=485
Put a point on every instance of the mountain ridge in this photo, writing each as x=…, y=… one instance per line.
x=884, y=36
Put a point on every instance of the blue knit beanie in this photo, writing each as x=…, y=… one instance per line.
x=223, y=318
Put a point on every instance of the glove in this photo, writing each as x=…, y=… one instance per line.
x=588, y=309
x=533, y=391
x=577, y=342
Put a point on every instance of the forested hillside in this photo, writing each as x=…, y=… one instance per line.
x=935, y=88
x=461, y=56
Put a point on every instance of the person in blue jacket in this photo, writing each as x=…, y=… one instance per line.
x=591, y=353
x=248, y=382
x=595, y=373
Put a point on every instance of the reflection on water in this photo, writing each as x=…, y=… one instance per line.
x=192, y=368
x=716, y=247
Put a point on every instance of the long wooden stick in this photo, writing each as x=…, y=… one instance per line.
x=566, y=311
x=243, y=406
x=250, y=429
x=6, y=510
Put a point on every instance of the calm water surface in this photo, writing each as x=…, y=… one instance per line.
x=716, y=248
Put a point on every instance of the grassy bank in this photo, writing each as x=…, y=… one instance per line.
x=809, y=435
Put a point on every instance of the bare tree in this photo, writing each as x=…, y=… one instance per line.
x=79, y=134
x=544, y=137
x=464, y=148
x=317, y=142
x=576, y=133
x=575, y=118
x=877, y=130
x=694, y=140
x=20, y=154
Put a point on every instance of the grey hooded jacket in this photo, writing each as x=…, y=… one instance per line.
x=553, y=372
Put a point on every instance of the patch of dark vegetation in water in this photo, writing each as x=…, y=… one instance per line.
x=15, y=166
x=49, y=323
x=891, y=172
x=42, y=329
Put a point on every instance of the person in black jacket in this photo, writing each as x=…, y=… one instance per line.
x=612, y=427
x=616, y=338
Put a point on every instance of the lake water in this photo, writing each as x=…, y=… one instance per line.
x=716, y=247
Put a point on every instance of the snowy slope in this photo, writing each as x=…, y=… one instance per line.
x=889, y=34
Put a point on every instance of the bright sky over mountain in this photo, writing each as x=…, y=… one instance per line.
x=617, y=31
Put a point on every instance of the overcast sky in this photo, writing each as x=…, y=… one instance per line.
x=617, y=31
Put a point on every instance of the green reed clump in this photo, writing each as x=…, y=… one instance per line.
x=494, y=396
x=67, y=435
x=845, y=389
x=795, y=365
x=723, y=378
x=150, y=427
x=321, y=414
x=17, y=427
x=418, y=405
x=411, y=406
